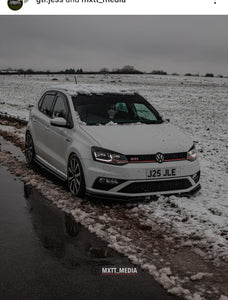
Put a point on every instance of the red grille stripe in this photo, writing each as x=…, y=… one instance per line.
x=146, y=161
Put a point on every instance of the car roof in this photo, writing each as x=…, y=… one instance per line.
x=75, y=89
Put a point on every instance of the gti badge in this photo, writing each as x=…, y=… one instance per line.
x=159, y=157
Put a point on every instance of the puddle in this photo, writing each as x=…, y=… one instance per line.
x=45, y=254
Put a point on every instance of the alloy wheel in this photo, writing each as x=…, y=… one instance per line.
x=75, y=176
x=29, y=149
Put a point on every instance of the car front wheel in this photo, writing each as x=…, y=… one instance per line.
x=75, y=176
x=29, y=149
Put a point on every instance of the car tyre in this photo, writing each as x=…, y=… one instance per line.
x=29, y=149
x=75, y=176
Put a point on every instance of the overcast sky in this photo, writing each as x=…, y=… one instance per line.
x=172, y=43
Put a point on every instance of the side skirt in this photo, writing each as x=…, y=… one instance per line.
x=41, y=162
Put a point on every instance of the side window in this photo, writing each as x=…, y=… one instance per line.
x=60, y=108
x=45, y=106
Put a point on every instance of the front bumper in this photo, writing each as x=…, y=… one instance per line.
x=134, y=183
x=117, y=197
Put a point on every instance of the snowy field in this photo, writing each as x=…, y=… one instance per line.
x=199, y=106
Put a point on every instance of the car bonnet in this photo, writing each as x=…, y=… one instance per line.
x=140, y=138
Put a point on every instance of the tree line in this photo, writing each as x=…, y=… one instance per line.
x=128, y=69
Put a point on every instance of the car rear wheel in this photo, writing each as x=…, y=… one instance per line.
x=75, y=176
x=29, y=149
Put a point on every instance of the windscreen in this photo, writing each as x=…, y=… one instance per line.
x=117, y=108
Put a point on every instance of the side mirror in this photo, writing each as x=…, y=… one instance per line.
x=59, y=122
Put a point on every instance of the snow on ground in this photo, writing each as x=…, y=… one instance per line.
x=19, y=132
x=199, y=106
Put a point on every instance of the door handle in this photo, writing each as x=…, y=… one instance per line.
x=68, y=140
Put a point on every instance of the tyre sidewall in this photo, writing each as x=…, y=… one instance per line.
x=31, y=162
x=81, y=192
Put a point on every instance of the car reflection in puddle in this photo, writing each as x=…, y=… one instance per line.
x=60, y=233
x=83, y=255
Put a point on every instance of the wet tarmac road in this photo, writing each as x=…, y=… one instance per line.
x=45, y=255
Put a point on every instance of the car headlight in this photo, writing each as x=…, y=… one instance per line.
x=192, y=154
x=108, y=156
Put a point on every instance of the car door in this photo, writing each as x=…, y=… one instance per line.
x=41, y=123
x=59, y=138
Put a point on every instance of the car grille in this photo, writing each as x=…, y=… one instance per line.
x=151, y=157
x=156, y=186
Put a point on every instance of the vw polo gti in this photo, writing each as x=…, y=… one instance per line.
x=110, y=143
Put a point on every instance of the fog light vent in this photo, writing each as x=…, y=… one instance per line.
x=105, y=184
x=196, y=176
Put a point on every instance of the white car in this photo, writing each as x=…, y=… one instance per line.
x=109, y=143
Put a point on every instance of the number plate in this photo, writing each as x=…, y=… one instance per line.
x=167, y=172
